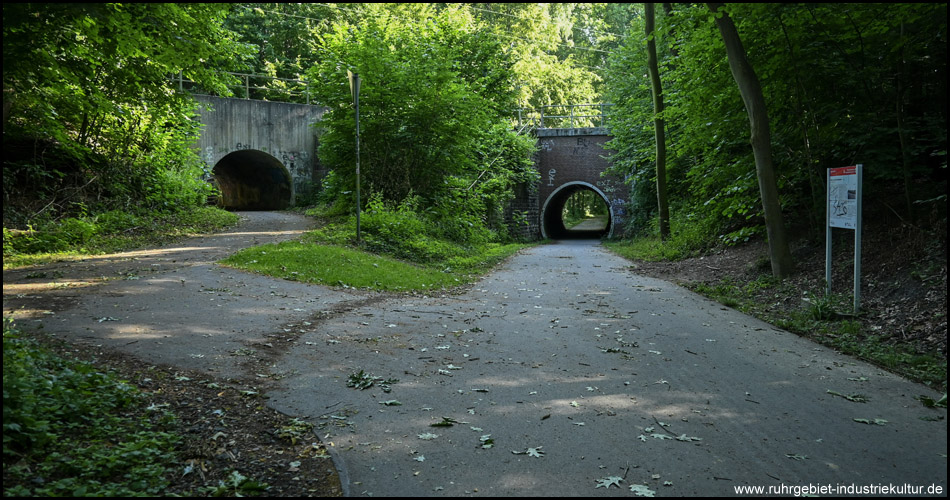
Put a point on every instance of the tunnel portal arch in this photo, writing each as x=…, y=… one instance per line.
x=552, y=224
x=253, y=180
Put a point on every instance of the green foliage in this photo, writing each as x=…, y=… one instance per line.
x=335, y=265
x=817, y=319
x=581, y=206
x=294, y=430
x=65, y=433
x=431, y=88
x=110, y=231
x=412, y=251
x=237, y=485
x=435, y=100
x=554, y=48
x=821, y=308
x=284, y=41
x=91, y=117
x=829, y=106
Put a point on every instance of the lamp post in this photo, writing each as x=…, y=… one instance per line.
x=355, y=90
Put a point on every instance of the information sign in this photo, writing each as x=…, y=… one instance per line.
x=844, y=211
x=843, y=197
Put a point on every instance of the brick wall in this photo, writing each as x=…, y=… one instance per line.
x=569, y=156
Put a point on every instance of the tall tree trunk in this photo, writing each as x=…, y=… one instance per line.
x=901, y=133
x=751, y=92
x=658, y=125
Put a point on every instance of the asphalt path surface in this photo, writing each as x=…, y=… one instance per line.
x=562, y=373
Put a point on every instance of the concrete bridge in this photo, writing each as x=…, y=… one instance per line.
x=263, y=156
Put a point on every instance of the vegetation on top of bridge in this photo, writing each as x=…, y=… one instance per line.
x=565, y=116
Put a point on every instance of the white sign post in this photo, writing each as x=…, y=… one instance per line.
x=844, y=211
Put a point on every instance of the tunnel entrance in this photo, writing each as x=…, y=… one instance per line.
x=252, y=180
x=572, y=203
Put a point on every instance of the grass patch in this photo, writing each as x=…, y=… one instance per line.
x=650, y=249
x=852, y=338
x=336, y=265
x=109, y=232
x=68, y=429
x=400, y=250
x=690, y=236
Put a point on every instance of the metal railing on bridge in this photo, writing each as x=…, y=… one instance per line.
x=282, y=90
x=565, y=116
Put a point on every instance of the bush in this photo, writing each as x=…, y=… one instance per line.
x=117, y=221
x=64, y=429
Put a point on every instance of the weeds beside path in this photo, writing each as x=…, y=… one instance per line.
x=229, y=441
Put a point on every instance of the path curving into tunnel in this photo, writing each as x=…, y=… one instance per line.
x=552, y=221
x=253, y=180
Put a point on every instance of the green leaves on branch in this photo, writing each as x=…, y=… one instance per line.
x=836, y=79
x=435, y=98
x=89, y=105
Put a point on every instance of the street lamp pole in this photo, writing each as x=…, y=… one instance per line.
x=355, y=90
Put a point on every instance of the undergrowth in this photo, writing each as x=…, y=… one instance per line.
x=112, y=231
x=400, y=249
x=828, y=320
x=70, y=430
x=820, y=318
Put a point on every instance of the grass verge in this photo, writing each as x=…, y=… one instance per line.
x=817, y=320
x=338, y=265
x=400, y=250
x=649, y=249
x=782, y=304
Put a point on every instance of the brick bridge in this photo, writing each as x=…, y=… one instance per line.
x=262, y=156
x=571, y=160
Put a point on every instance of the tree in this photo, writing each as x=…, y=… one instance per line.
x=284, y=36
x=842, y=85
x=757, y=110
x=88, y=96
x=435, y=106
x=538, y=39
x=657, y=90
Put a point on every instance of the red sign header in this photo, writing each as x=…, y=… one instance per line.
x=853, y=170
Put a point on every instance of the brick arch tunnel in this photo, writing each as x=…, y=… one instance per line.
x=252, y=180
x=552, y=222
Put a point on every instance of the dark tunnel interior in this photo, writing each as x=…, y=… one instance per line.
x=252, y=180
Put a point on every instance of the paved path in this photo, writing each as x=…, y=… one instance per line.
x=567, y=353
x=577, y=372
x=594, y=224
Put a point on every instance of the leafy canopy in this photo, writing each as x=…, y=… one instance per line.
x=88, y=100
x=435, y=99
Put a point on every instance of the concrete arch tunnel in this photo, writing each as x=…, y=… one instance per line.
x=260, y=154
x=253, y=180
x=552, y=222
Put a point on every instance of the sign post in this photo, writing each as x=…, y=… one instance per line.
x=355, y=90
x=844, y=211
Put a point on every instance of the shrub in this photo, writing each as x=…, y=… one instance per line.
x=64, y=422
